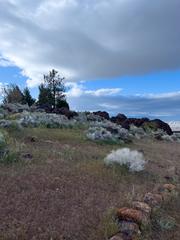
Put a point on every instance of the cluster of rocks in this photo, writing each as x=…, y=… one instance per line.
x=106, y=130
x=101, y=125
x=132, y=221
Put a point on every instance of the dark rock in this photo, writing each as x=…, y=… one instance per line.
x=65, y=111
x=104, y=114
x=112, y=130
x=138, y=122
x=119, y=119
x=129, y=230
x=45, y=107
x=156, y=124
x=27, y=156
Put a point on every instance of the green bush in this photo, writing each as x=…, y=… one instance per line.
x=7, y=156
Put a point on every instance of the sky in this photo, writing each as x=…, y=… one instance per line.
x=116, y=55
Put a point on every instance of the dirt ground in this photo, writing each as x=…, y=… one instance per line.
x=61, y=189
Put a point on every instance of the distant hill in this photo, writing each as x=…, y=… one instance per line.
x=175, y=125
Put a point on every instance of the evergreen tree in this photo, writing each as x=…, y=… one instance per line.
x=45, y=97
x=62, y=104
x=27, y=98
x=56, y=86
x=13, y=94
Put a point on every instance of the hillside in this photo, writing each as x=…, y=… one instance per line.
x=55, y=183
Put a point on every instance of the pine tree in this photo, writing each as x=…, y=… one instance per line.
x=56, y=86
x=45, y=97
x=27, y=98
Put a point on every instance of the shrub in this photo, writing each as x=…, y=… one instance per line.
x=134, y=160
x=2, y=145
x=12, y=94
x=99, y=133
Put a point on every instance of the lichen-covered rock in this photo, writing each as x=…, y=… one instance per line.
x=129, y=229
x=142, y=206
x=153, y=199
x=169, y=187
x=171, y=173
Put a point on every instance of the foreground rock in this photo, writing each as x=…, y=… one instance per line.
x=153, y=199
x=129, y=230
x=142, y=206
x=117, y=237
x=130, y=214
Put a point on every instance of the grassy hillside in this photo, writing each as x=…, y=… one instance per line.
x=59, y=187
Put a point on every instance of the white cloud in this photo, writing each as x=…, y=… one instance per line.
x=5, y=63
x=77, y=90
x=104, y=92
x=160, y=95
x=90, y=39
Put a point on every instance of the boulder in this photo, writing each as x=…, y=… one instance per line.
x=153, y=200
x=171, y=173
x=119, y=119
x=130, y=214
x=138, y=122
x=117, y=237
x=43, y=108
x=104, y=114
x=156, y=124
x=129, y=230
x=142, y=206
x=169, y=187
x=66, y=112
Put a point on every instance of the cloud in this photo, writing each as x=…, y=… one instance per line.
x=90, y=39
x=164, y=107
x=160, y=95
x=77, y=90
x=104, y=92
x=5, y=63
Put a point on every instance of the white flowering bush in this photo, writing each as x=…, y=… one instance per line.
x=106, y=130
x=133, y=159
x=44, y=119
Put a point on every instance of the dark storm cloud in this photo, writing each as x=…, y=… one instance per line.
x=90, y=39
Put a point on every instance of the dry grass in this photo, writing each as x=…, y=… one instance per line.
x=65, y=190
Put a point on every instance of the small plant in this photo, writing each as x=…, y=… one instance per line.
x=9, y=158
x=109, y=224
x=7, y=155
x=134, y=160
